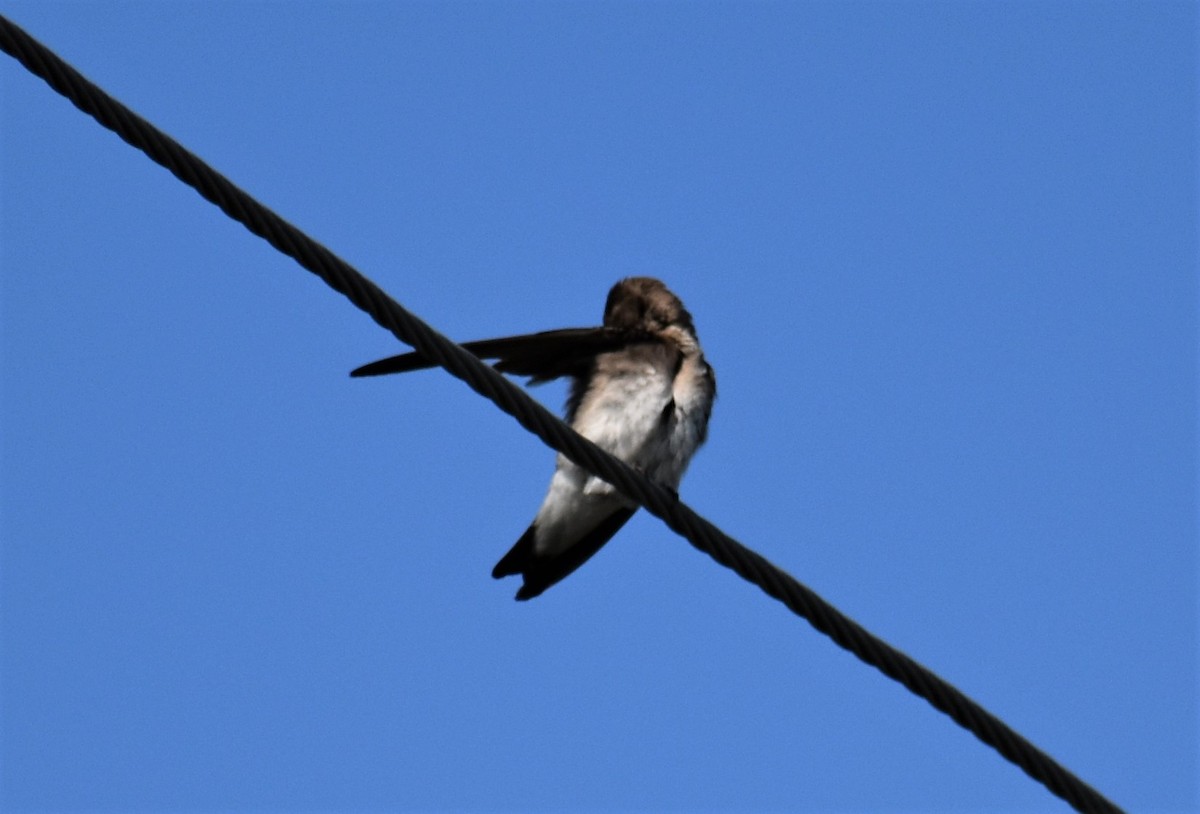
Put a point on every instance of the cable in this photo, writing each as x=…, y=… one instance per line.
x=660, y=502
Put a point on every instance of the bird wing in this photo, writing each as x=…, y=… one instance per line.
x=541, y=356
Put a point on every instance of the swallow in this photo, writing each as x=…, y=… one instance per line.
x=640, y=389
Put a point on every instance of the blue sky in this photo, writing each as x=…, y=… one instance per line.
x=942, y=256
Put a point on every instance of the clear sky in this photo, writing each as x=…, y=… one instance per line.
x=942, y=256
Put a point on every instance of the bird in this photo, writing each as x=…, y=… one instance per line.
x=640, y=388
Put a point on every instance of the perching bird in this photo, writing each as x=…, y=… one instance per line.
x=640, y=389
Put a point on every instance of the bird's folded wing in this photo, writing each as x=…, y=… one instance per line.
x=541, y=356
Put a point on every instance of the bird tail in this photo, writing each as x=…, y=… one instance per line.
x=540, y=572
x=517, y=558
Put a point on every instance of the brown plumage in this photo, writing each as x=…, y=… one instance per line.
x=640, y=389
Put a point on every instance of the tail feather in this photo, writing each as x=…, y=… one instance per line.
x=540, y=572
x=514, y=562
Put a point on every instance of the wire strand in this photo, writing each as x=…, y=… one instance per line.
x=659, y=501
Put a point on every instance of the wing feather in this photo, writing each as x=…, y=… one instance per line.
x=541, y=356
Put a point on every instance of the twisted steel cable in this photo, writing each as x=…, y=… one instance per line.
x=659, y=501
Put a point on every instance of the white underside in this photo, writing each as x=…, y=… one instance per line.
x=626, y=419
